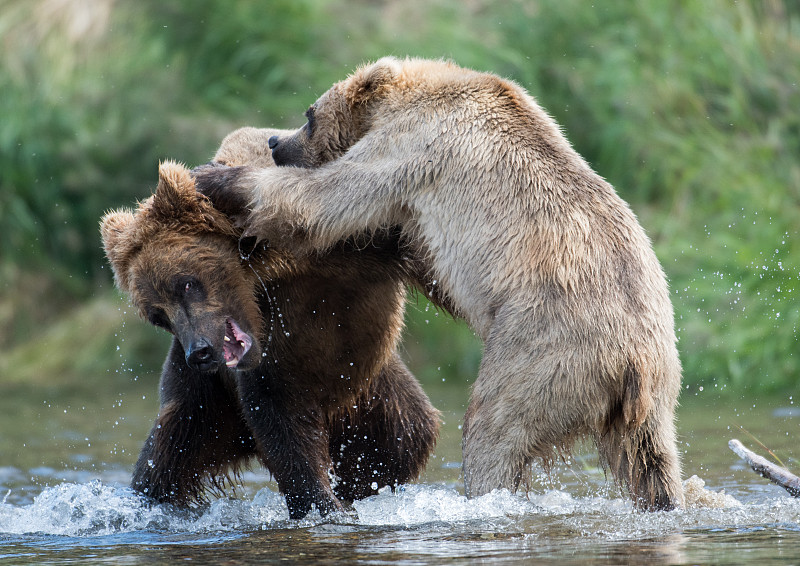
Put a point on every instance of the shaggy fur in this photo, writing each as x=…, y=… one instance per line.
x=320, y=390
x=523, y=240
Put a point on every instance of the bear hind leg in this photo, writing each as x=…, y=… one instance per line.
x=498, y=450
x=644, y=458
x=524, y=408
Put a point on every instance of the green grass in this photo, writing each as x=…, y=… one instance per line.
x=689, y=109
x=101, y=343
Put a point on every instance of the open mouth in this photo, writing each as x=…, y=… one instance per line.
x=237, y=343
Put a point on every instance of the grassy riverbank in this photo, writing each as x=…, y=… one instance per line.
x=689, y=109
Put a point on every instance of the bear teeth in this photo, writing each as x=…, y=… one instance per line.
x=237, y=343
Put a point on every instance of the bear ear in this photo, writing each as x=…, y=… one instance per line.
x=175, y=191
x=115, y=229
x=371, y=80
x=176, y=203
x=113, y=226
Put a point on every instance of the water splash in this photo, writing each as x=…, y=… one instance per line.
x=95, y=509
x=270, y=301
x=88, y=509
x=698, y=497
x=419, y=504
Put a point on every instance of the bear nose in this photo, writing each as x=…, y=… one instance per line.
x=200, y=355
x=272, y=142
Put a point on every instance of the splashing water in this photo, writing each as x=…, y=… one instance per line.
x=80, y=510
x=415, y=504
x=417, y=524
x=97, y=509
x=62, y=499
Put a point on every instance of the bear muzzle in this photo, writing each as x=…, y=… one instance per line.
x=201, y=355
x=236, y=343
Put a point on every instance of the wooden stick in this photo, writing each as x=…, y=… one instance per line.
x=767, y=469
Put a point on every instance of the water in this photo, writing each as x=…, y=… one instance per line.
x=66, y=456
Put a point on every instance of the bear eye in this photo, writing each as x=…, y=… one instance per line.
x=188, y=287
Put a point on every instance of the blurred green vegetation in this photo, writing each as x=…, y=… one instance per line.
x=689, y=108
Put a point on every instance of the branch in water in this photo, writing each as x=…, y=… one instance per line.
x=767, y=469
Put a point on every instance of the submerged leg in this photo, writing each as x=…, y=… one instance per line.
x=537, y=400
x=528, y=403
x=509, y=422
x=645, y=459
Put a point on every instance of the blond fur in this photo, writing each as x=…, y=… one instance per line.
x=534, y=249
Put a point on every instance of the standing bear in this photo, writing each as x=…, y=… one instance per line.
x=521, y=238
x=289, y=360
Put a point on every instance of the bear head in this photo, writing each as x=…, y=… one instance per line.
x=339, y=118
x=350, y=108
x=248, y=146
x=178, y=259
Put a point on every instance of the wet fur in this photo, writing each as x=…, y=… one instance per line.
x=330, y=392
x=529, y=245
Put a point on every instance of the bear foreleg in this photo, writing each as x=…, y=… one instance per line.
x=197, y=440
x=302, y=209
x=387, y=439
x=291, y=442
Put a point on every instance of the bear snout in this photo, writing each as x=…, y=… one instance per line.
x=289, y=150
x=200, y=355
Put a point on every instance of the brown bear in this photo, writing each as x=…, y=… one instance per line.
x=522, y=239
x=289, y=360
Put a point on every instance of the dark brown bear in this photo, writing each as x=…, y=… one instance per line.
x=290, y=361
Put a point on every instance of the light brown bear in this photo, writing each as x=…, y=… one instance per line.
x=289, y=360
x=522, y=239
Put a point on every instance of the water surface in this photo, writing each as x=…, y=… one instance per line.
x=66, y=456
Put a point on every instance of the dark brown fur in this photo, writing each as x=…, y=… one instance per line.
x=321, y=389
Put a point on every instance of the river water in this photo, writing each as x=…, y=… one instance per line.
x=66, y=456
